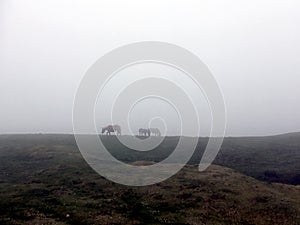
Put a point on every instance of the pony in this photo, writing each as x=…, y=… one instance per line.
x=111, y=129
x=155, y=131
x=144, y=132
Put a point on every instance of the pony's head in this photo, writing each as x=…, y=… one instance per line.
x=103, y=130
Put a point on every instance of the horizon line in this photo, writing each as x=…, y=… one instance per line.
x=229, y=136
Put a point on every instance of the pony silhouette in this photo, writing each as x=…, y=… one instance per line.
x=144, y=132
x=111, y=129
x=155, y=131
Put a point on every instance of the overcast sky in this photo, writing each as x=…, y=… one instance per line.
x=251, y=47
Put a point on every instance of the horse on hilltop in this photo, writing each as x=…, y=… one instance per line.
x=111, y=129
x=144, y=132
x=155, y=131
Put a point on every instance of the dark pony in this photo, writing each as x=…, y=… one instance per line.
x=144, y=132
x=111, y=129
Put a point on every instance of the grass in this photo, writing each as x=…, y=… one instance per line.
x=44, y=180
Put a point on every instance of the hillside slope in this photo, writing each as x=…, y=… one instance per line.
x=53, y=185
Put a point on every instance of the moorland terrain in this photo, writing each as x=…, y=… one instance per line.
x=254, y=180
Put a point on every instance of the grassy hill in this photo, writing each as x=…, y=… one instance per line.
x=44, y=180
x=271, y=159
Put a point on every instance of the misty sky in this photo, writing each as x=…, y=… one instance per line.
x=251, y=47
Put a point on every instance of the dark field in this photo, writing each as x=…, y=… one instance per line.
x=44, y=180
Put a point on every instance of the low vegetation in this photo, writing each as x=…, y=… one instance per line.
x=44, y=180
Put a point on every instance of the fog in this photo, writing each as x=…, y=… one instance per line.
x=251, y=47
